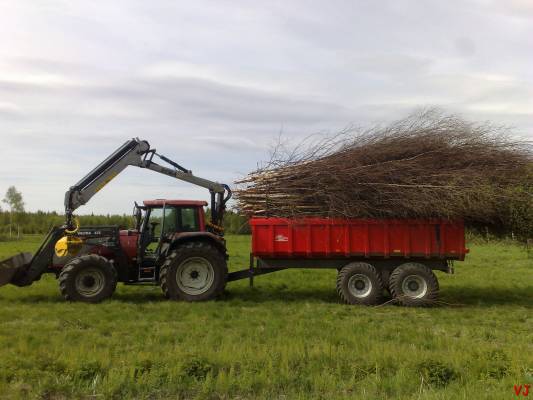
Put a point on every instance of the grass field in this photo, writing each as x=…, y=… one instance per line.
x=288, y=337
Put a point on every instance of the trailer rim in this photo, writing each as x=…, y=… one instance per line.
x=414, y=286
x=360, y=286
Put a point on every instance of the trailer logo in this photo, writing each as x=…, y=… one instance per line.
x=521, y=390
x=281, y=238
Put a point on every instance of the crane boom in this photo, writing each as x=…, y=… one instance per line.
x=137, y=152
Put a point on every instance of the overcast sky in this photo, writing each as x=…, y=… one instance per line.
x=212, y=83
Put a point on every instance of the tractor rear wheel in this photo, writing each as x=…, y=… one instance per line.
x=359, y=283
x=195, y=271
x=90, y=278
x=414, y=284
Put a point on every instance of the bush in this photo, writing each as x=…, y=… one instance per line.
x=436, y=373
x=196, y=368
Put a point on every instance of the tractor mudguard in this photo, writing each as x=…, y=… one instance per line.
x=183, y=237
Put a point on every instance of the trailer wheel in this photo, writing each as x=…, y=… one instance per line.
x=359, y=283
x=195, y=271
x=90, y=278
x=414, y=285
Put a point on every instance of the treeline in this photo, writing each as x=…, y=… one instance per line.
x=40, y=222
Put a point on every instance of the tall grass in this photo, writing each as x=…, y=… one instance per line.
x=288, y=337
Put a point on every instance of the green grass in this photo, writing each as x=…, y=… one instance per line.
x=288, y=337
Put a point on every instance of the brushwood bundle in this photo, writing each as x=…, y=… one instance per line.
x=428, y=165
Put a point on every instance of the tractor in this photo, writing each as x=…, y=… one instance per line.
x=173, y=243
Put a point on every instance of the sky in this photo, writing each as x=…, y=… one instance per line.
x=213, y=84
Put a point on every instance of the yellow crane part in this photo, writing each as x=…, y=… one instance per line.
x=69, y=245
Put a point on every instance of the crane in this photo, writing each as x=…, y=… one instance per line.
x=137, y=152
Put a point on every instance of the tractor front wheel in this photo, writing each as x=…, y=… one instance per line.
x=195, y=271
x=90, y=278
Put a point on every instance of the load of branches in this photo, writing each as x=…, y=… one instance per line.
x=428, y=165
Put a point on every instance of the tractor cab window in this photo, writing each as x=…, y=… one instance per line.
x=163, y=222
x=155, y=224
x=188, y=219
x=170, y=220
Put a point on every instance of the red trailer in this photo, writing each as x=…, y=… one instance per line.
x=371, y=255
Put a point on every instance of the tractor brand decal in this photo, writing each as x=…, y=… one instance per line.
x=89, y=233
x=281, y=238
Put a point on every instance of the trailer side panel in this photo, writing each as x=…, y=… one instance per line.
x=346, y=238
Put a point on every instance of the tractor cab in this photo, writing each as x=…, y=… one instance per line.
x=159, y=226
x=161, y=221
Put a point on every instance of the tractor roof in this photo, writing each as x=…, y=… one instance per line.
x=161, y=202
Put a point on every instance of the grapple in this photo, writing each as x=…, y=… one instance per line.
x=14, y=266
x=23, y=268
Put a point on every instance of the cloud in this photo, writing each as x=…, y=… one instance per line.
x=212, y=84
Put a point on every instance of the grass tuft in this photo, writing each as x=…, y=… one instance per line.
x=436, y=373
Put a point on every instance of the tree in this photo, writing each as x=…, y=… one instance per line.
x=14, y=200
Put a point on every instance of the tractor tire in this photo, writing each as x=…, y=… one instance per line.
x=195, y=271
x=89, y=278
x=414, y=285
x=360, y=283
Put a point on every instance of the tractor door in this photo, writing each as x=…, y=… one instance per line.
x=158, y=222
x=158, y=228
x=153, y=226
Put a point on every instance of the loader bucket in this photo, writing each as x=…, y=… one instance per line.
x=13, y=266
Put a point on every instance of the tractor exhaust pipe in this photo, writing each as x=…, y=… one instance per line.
x=14, y=267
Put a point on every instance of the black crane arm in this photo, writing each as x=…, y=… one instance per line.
x=138, y=153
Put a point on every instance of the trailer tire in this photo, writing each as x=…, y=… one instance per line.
x=414, y=285
x=195, y=271
x=89, y=278
x=359, y=283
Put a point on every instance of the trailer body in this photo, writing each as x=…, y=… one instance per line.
x=371, y=255
x=323, y=238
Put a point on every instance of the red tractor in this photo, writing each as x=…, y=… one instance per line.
x=170, y=245
x=173, y=243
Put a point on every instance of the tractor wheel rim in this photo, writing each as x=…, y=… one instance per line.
x=359, y=285
x=195, y=276
x=414, y=286
x=90, y=282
